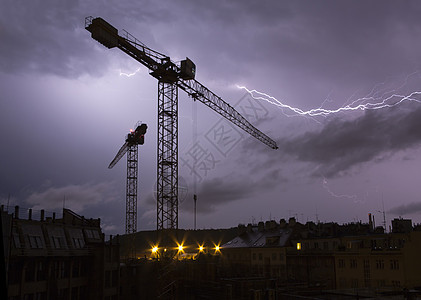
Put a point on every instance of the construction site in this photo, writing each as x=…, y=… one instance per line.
x=66, y=256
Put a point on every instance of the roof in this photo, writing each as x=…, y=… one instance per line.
x=255, y=238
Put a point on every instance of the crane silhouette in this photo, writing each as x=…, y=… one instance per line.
x=170, y=76
x=134, y=138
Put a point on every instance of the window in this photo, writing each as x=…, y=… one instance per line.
x=353, y=264
x=396, y=283
x=379, y=264
x=107, y=279
x=63, y=294
x=35, y=241
x=16, y=240
x=78, y=242
x=28, y=297
x=260, y=256
x=114, y=278
x=58, y=242
x=40, y=296
x=41, y=271
x=30, y=272
x=92, y=234
x=75, y=293
x=254, y=256
x=61, y=269
x=76, y=269
x=274, y=256
x=394, y=264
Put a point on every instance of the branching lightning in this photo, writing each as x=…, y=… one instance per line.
x=365, y=103
x=381, y=96
x=374, y=100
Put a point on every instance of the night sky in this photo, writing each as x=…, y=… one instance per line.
x=67, y=102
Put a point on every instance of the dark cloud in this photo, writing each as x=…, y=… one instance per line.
x=342, y=144
x=77, y=197
x=219, y=191
x=49, y=37
x=405, y=209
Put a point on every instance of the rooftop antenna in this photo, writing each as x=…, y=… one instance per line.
x=8, y=200
x=384, y=215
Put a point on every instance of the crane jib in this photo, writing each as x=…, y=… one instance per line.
x=164, y=69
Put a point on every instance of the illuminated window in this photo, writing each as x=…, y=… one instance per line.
x=298, y=246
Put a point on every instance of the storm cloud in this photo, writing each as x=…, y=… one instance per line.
x=405, y=209
x=76, y=197
x=342, y=144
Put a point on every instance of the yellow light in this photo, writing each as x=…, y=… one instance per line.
x=180, y=247
x=298, y=246
x=154, y=249
x=217, y=248
x=165, y=250
x=201, y=248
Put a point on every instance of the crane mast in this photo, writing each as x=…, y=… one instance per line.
x=130, y=147
x=170, y=77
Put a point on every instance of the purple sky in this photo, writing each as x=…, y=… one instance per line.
x=65, y=107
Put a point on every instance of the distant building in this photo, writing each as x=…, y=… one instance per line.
x=53, y=259
x=325, y=256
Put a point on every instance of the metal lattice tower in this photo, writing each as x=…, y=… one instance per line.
x=171, y=76
x=167, y=175
x=131, y=189
x=133, y=140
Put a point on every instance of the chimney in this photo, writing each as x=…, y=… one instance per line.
x=370, y=222
x=291, y=222
x=54, y=216
x=30, y=214
x=42, y=215
x=261, y=226
x=16, y=212
x=241, y=229
x=270, y=225
x=249, y=227
x=282, y=223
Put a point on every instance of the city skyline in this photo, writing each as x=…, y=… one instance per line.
x=67, y=103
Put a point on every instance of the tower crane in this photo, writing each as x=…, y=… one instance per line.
x=170, y=76
x=134, y=138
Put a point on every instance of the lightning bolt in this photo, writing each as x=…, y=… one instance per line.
x=374, y=100
x=377, y=98
x=365, y=103
x=333, y=194
x=129, y=74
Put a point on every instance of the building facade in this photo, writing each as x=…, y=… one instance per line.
x=66, y=258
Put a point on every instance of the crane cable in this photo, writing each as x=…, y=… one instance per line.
x=194, y=130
